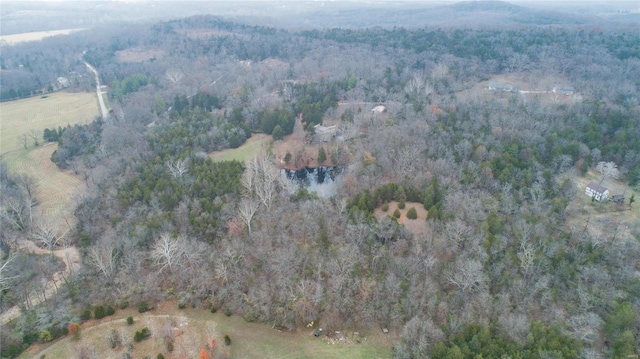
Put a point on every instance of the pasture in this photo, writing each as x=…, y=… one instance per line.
x=191, y=329
x=55, y=189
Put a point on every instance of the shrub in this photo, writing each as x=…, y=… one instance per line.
x=385, y=207
x=214, y=309
x=396, y=213
x=141, y=335
x=130, y=320
x=10, y=351
x=170, y=346
x=160, y=356
x=227, y=312
x=227, y=340
x=182, y=305
x=412, y=213
x=143, y=307
x=110, y=311
x=74, y=331
x=85, y=315
x=98, y=312
x=45, y=336
x=401, y=204
x=122, y=304
x=114, y=339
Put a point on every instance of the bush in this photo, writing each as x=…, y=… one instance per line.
x=110, y=311
x=412, y=213
x=170, y=346
x=45, y=336
x=130, y=320
x=396, y=213
x=227, y=340
x=214, y=309
x=11, y=351
x=85, y=315
x=141, y=335
x=160, y=356
x=114, y=339
x=122, y=304
x=227, y=312
x=143, y=307
x=74, y=331
x=401, y=204
x=98, y=312
x=385, y=207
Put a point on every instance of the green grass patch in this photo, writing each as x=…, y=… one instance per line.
x=258, y=142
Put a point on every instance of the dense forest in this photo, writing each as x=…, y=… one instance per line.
x=502, y=269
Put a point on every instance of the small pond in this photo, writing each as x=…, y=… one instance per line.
x=320, y=180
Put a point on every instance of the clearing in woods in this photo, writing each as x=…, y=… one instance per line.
x=191, y=329
x=55, y=189
x=258, y=142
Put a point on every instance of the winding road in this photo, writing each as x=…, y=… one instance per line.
x=103, y=108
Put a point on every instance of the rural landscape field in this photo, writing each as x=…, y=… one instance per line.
x=21, y=119
x=419, y=179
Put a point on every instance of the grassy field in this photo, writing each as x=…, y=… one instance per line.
x=34, y=36
x=56, y=189
x=192, y=329
x=258, y=142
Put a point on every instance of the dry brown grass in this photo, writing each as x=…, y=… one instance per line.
x=34, y=36
x=416, y=226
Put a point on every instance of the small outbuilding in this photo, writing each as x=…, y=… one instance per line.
x=618, y=198
x=378, y=109
x=596, y=191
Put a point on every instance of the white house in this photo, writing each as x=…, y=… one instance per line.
x=594, y=190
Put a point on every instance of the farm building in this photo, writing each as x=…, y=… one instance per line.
x=325, y=133
x=596, y=191
x=618, y=198
x=500, y=86
x=378, y=109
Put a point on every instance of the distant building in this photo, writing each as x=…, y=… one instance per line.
x=325, y=133
x=378, y=109
x=500, y=86
x=565, y=90
x=596, y=191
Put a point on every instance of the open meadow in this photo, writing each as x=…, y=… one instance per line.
x=33, y=36
x=189, y=330
x=55, y=188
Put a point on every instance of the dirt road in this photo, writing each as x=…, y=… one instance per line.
x=103, y=108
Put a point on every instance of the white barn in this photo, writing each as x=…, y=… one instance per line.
x=594, y=190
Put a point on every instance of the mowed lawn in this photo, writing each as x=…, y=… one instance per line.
x=55, y=189
x=258, y=142
x=193, y=328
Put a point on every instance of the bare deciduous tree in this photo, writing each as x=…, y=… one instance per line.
x=178, y=167
x=48, y=236
x=174, y=75
x=5, y=281
x=103, y=257
x=608, y=170
x=167, y=251
x=247, y=208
